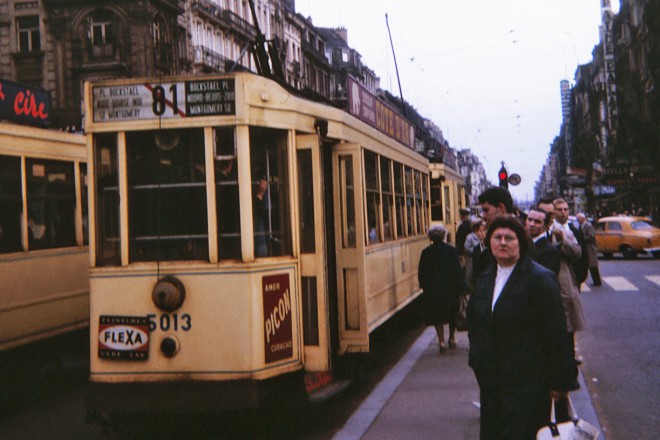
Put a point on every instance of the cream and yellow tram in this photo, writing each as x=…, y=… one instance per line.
x=43, y=235
x=244, y=238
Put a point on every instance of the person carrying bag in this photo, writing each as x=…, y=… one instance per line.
x=574, y=429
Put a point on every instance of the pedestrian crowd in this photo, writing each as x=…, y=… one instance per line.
x=520, y=276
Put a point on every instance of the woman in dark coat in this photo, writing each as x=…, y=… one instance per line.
x=442, y=281
x=519, y=346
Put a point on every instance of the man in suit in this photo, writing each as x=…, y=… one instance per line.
x=589, y=234
x=495, y=201
x=545, y=253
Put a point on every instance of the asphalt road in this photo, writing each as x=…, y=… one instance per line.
x=621, y=348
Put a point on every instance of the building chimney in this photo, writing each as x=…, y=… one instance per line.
x=343, y=33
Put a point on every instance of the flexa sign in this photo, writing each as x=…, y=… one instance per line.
x=24, y=104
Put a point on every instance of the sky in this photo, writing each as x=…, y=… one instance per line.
x=486, y=72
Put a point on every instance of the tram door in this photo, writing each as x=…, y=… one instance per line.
x=314, y=267
x=349, y=219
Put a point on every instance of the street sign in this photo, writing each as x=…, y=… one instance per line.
x=515, y=179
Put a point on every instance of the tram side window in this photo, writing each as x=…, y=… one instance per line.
x=347, y=194
x=419, y=207
x=51, y=203
x=436, y=200
x=270, y=194
x=228, y=207
x=11, y=204
x=410, y=202
x=425, y=202
x=388, y=201
x=306, y=201
x=167, y=208
x=373, y=197
x=83, y=202
x=399, y=200
x=107, y=200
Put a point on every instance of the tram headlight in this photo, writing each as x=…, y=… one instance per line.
x=169, y=346
x=168, y=294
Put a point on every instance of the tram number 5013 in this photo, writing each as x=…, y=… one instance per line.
x=169, y=322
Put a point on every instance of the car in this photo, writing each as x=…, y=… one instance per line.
x=627, y=234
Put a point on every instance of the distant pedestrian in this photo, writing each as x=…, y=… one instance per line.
x=519, y=348
x=589, y=234
x=441, y=279
x=462, y=232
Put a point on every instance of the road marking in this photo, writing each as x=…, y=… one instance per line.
x=654, y=279
x=619, y=284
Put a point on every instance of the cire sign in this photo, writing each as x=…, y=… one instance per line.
x=24, y=104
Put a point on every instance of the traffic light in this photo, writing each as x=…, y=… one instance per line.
x=503, y=175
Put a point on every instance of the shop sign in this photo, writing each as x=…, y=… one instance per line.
x=24, y=104
x=368, y=108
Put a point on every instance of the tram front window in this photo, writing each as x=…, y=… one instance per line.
x=228, y=207
x=270, y=195
x=167, y=195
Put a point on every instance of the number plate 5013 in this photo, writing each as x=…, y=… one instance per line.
x=170, y=322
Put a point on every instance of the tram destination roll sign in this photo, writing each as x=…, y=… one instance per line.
x=130, y=102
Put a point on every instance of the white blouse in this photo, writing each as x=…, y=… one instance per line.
x=503, y=274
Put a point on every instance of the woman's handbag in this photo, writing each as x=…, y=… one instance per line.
x=574, y=429
x=461, y=317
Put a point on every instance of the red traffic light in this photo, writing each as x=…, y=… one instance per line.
x=503, y=175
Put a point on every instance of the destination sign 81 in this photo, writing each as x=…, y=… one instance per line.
x=164, y=100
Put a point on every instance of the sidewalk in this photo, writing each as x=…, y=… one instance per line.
x=431, y=396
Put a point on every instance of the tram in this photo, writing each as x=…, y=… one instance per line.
x=44, y=257
x=245, y=241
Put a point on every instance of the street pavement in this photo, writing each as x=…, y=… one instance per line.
x=431, y=396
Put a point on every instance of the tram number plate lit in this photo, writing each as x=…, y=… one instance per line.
x=124, y=337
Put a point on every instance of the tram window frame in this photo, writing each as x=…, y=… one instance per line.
x=269, y=165
x=400, y=205
x=51, y=203
x=11, y=204
x=347, y=201
x=106, y=170
x=227, y=198
x=372, y=198
x=387, y=198
x=167, y=205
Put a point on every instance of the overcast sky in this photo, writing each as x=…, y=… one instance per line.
x=487, y=72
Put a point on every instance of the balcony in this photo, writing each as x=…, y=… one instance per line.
x=210, y=60
x=208, y=10
x=240, y=25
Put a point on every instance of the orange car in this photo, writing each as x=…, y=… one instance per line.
x=628, y=235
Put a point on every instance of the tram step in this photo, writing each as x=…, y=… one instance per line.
x=328, y=391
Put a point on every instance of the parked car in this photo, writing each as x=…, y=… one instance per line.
x=628, y=235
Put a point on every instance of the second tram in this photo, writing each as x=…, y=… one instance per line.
x=43, y=235
x=244, y=239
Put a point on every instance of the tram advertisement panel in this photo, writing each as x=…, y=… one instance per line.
x=185, y=99
x=124, y=337
x=278, y=334
x=25, y=104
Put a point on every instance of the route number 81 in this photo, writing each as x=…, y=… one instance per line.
x=160, y=102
